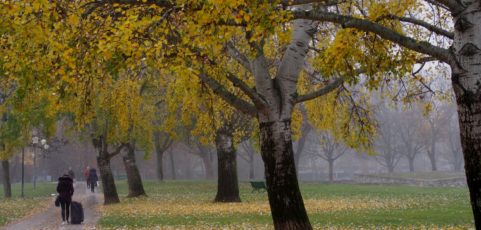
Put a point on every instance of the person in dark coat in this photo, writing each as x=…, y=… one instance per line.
x=93, y=178
x=65, y=191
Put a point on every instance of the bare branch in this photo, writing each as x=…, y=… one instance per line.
x=384, y=32
x=322, y=91
x=117, y=150
x=424, y=24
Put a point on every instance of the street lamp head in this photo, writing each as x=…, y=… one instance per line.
x=46, y=146
x=43, y=142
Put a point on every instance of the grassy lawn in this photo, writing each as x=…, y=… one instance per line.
x=188, y=205
x=423, y=175
x=35, y=200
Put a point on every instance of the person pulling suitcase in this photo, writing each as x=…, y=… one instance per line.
x=65, y=191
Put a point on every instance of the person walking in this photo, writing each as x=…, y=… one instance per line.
x=65, y=191
x=86, y=176
x=93, y=178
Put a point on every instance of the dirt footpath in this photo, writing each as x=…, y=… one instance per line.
x=52, y=219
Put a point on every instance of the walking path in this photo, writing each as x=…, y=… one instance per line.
x=51, y=218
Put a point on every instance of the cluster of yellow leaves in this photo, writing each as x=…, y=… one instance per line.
x=13, y=209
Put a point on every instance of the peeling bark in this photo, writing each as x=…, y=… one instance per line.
x=466, y=80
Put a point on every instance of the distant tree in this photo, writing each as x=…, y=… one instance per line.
x=330, y=150
x=162, y=142
x=433, y=131
x=453, y=141
x=387, y=142
x=249, y=156
x=408, y=125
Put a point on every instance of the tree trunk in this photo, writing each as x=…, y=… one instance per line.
x=134, y=181
x=390, y=168
x=172, y=164
x=411, y=164
x=227, y=182
x=285, y=199
x=251, y=166
x=331, y=170
x=108, y=183
x=160, y=163
x=7, y=186
x=432, y=159
x=466, y=80
x=162, y=142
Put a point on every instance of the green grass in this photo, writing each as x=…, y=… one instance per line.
x=189, y=205
x=423, y=175
x=17, y=207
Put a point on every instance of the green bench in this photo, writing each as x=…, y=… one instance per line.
x=121, y=177
x=258, y=186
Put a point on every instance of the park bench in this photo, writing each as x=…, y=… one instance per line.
x=258, y=186
x=121, y=177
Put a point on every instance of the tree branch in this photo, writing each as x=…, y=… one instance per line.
x=452, y=5
x=424, y=24
x=259, y=103
x=117, y=151
x=384, y=32
x=322, y=91
x=230, y=98
x=238, y=56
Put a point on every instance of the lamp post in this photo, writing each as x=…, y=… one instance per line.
x=34, y=156
x=37, y=143
x=23, y=170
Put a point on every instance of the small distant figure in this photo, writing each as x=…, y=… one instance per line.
x=71, y=173
x=86, y=176
x=65, y=191
x=93, y=178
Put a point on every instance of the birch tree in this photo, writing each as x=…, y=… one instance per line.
x=460, y=51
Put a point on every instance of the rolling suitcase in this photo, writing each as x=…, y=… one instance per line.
x=76, y=213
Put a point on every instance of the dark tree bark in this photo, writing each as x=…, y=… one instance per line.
x=134, y=180
x=227, y=181
x=7, y=185
x=108, y=183
x=103, y=161
x=285, y=199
